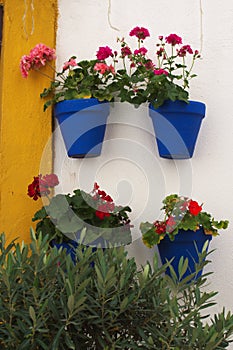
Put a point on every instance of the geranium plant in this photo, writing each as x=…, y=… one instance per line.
x=165, y=76
x=83, y=79
x=181, y=213
x=128, y=75
x=67, y=215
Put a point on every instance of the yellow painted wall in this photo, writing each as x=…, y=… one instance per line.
x=25, y=128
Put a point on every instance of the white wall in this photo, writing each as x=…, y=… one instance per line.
x=129, y=167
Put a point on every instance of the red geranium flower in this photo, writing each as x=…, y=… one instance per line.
x=34, y=189
x=101, y=214
x=171, y=221
x=96, y=186
x=108, y=198
x=41, y=185
x=194, y=208
x=160, y=227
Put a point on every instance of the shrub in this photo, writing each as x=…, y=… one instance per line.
x=48, y=302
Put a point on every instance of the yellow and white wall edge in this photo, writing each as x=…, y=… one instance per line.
x=25, y=128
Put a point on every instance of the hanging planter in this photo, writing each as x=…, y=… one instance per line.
x=70, y=246
x=176, y=125
x=183, y=232
x=127, y=76
x=187, y=244
x=91, y=219
x=82, y=123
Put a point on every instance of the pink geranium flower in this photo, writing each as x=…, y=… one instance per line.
x=160, y=71
x=140, y=32
x=184, y=50
x=141, y=51
x=25, y=65
x=149, y=64
x=128, y=73
x=173, y=39
x=103, y=53
x=126, y=51
x=103, y=68
x=37, y=58
x=160, y=52
x=41, y=53
x=71, y=63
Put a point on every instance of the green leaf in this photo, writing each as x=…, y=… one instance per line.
x=70, y=303
x=32, y=314
x=124, y=304
x=47, y=104
x=183, y=266
x=145, y=227
x=58, y=206
x=69, y=223
x=99, y=275
x=40, y=214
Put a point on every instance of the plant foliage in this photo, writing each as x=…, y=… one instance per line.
x=181, y=213
x=128, y=75
x=48, y=302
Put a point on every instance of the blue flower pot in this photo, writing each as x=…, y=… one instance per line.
x=176, y=126
x=71, y=247
x=187, y=244
x=82, y=123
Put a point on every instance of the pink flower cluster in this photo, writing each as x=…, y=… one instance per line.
x=183, y=50
x=71, y=63
x=138, y=57
x=173, y=39
x=160, y=71
x=37, y=58
x=125, y=51
x=141, y=51
x=169, y=60
x=132, y=81
x=103, y=68
x=140, y=32
x=103, y=53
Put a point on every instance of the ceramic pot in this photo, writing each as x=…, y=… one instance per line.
x=176, y=125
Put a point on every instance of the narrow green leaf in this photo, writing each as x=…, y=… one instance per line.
x=32, y=314
x=70, y=303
